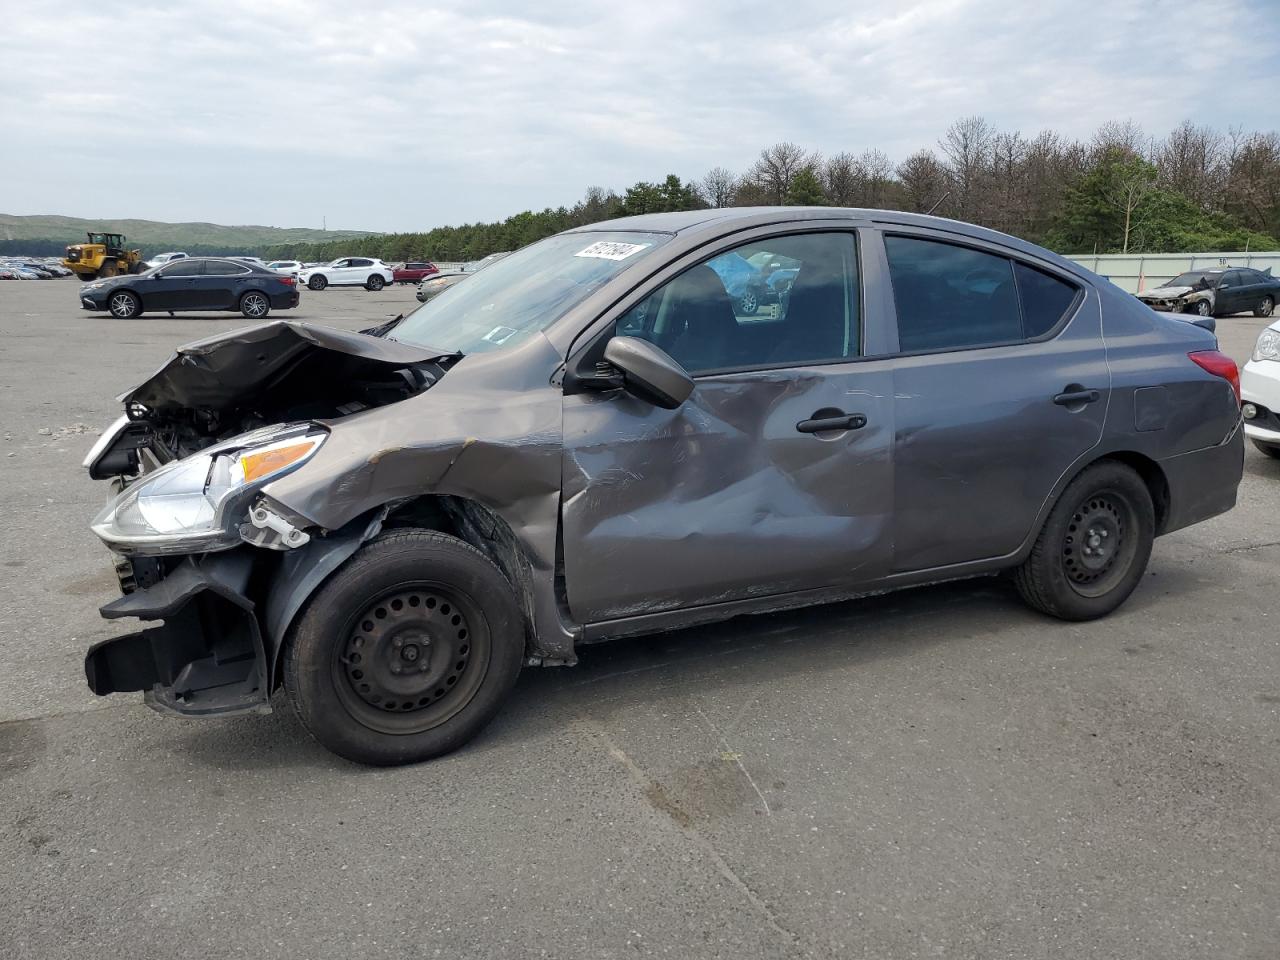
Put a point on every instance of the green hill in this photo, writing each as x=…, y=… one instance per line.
x=48, y=235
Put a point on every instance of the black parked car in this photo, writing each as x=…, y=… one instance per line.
x=1217, y=293
x=194, y=283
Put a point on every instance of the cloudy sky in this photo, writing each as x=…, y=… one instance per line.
x=401, y=116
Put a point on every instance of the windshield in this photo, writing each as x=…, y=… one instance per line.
x=1193, y=279
x=517, y=296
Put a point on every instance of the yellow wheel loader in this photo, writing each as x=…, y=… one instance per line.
x=103, y=256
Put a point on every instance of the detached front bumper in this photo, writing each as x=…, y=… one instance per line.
x=206, y=657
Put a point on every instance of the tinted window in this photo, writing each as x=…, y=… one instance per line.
x=781, y=301
x=1045, y=299
x=361, y=263
x=183, y=268
x=222, y=268
x=1230, y=279
x=949, y=297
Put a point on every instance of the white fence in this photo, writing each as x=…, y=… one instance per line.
x=1138, y=272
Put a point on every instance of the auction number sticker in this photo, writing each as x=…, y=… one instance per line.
x=611, y=250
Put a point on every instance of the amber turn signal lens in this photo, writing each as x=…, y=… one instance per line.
x=266, y=462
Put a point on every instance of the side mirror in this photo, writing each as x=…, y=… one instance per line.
x=649, y=373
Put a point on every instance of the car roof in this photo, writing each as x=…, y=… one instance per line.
x=728, y=219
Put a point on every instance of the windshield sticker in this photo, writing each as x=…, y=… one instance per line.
x=499, y=335
x=611, y=250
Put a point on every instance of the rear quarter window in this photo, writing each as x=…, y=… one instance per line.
x=1045, y=299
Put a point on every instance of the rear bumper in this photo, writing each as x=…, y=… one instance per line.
x=206, y=657
x=1203, y=483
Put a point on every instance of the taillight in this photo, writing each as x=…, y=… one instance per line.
x=288, y=281
x=1220, y=365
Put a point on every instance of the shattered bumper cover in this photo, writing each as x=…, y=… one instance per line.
x=206, y=657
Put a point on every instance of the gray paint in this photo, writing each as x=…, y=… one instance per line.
x=667, y=517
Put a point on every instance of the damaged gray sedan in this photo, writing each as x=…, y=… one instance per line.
x=587, y=441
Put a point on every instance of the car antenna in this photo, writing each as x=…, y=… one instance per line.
x=929, y=212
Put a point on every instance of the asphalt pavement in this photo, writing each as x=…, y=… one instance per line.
x=938, y=772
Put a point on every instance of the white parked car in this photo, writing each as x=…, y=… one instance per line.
x=1260, y=393
x=348, y=272
x=285, y=266
x=163, y=258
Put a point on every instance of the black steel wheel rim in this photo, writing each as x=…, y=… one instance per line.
x=1100, y=543
x=412, y=658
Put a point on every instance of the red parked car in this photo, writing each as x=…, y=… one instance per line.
x=413, y=272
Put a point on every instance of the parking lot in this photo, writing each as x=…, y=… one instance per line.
x=938, y=772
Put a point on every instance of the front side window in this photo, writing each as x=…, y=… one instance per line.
x=519, y=295
x=778, y=302
x=182, y=268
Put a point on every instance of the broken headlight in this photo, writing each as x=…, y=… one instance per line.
x=189, y=505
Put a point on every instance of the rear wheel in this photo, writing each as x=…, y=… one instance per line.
x=317, y=282
x=124, y=305
x=1094, y=547
x=108, y=269
x=375, y=282
x=407, y=651
x=1265, y=308
x=255, y=305
x=1271, y=450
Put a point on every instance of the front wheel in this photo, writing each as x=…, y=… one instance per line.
x=1265, y=308
x=1271, y=450
x=1204, y=308
x=407, y=651
x=375, y=282
x=317, y=282
x=1093, y=548
x=124, y=305
x=255, y=305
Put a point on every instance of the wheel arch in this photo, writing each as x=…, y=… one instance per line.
x=304, y=572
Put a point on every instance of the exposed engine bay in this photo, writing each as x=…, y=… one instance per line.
x=279, y=372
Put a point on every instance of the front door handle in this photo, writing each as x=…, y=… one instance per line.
x=845, y=421
x=1071, y=397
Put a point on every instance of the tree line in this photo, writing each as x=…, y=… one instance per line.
x=1118, y=191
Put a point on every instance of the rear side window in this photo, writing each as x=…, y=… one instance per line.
x=225, y=268
x=1045, y=299
x=950, y=297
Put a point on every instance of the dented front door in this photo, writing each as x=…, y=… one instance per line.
x=728, y=497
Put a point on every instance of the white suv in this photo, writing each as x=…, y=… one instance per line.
x=163, y=258
x=348, y=272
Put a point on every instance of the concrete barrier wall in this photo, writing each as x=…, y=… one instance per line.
x=1137, y=272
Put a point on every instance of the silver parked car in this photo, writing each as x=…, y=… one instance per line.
x=585, y=440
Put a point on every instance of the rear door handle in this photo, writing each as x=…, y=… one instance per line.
x=846, y=421
x=1077, y=396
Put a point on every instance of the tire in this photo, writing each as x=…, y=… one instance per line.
x=318, y=282
x=1075, y=576
x=108, y=269
x=86, y=277
x=1265, y=308
x=124, y=305
x=255, y=305
x=1271, y=450
x=349, y=672
x=1204, y=308
x=375, y=282
x=139, y=267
